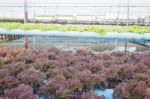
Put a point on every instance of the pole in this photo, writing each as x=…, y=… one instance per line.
x=25, y=11
x=33, y=42
x=128, y=12
x=34, y=13
x=125, y=48
x=118, y=13
x=116, y=44
x=110, y=14
x=26, y=43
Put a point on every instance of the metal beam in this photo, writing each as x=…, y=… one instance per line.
x=140, y=44
x=75, y=6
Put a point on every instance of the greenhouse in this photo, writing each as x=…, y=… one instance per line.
x=75, y=49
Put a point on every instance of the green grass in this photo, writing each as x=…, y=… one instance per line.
x=90, y=28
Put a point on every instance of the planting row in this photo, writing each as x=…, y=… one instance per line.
x=56, y=74
x=81, y=28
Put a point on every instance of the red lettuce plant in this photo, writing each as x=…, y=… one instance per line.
x=31, y=77
x=84, y=52
x=53, y=49
x=7, y=82
x=15, y=68
x=43, y=64
x=132, y=89
x=54, y=87
x=74, y=85
x=21, y=92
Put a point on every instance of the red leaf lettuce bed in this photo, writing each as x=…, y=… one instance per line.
x=67, y=75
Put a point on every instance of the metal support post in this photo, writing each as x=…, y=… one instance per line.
x=125, y=48
x=25, y=11
x=128, y=13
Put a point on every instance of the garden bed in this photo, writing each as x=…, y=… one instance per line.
x=57, y=74
x=101, y=29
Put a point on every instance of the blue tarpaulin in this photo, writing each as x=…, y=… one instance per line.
x=107, y=93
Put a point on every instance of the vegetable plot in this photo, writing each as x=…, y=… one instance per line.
x=81, y=28
x=56, y=74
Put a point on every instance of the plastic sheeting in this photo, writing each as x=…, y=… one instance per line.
x=122, y=49
x=107, y=93
x=110, y=35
